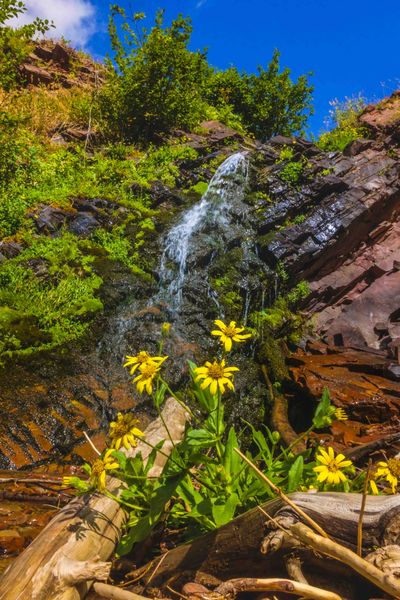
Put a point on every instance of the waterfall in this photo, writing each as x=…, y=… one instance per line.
x=228, y=184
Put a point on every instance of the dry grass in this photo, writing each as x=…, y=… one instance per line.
x=46, y=111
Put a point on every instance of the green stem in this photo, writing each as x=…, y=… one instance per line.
x=296, y=441
x=218, y=445
x=161, y=415
x=182, y=467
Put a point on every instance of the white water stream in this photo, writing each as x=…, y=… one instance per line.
x=228, y=183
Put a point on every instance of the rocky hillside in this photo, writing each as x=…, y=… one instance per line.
x=329, y=219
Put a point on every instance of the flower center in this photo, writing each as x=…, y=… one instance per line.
x=149, y=370
x=394, y=466
x=97, y=467
x=332, y=467
x=216, y=371
x=120, y=429
x=143, y=357
x=230, y=331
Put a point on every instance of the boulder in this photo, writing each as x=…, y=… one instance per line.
x=49, y=219
x=35, y=75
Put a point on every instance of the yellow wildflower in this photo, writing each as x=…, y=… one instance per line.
x=340, y=414
x=141, y=359
x=100, y=467
x=123, y=431
x=215, y=376
x=229, y=333
x=144, y=381
x=374, y=487
x=331, y=468
x=390, y=471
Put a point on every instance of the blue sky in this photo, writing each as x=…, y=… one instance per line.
x=350, y=46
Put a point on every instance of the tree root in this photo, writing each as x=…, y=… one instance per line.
x=386, y=582
x=231, y=588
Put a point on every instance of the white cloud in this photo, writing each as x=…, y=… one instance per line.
x=200, y=3
x=74, y=19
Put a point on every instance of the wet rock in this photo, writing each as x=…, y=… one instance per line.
x=323, y=240
x=161, y=194
x=10, y=249
x=49, y=219
x=83, y=224
x=360, y=381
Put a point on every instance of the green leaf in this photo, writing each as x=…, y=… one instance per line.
x=188, y=493
x=223, y=513
x=159, y=397
x=232, y=461
x=136, y=534
x=324, y=411
x=200, y=438
x=121, y=458
x=295, y=474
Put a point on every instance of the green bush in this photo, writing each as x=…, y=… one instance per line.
x=346, y=127
x=158, y=81
x=268, y=103
x=159, y=84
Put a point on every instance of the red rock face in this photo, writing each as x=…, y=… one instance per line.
x=51, y=63
x=383, y=117
x=348, y=249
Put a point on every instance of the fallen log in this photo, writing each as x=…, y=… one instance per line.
x=72, y=550
x=243, y=547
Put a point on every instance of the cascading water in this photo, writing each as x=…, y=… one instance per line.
x=212, y=210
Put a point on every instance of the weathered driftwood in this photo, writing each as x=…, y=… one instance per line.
x=235, y=549
x=73, y=549
x=387, y=582
x=111, y=592
x=231, y=588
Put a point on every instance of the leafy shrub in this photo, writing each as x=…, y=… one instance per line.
x=292, y=170
x=158, y=82
x=343, y=117
x=268, y=103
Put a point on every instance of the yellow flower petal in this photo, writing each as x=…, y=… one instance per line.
x=228, y=344
x=374, y=487
x=217, y=332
